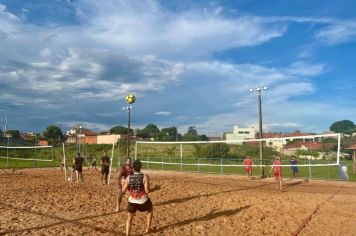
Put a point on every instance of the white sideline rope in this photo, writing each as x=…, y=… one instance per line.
x=232, y=165
x=25, y=159
x=27, y=147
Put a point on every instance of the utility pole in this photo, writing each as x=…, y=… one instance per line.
x=258, y=91
x=128, y=109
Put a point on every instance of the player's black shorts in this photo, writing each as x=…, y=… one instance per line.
x=133, y=207
x=78, y=168
x=93, y=164
x=105, y=169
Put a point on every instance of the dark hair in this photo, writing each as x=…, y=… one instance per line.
x=78, y=154
x=137, y=165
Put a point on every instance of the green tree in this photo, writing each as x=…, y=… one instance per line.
x=169, y=134
x=150, y=131
x=344, y=126
x=119, y=130
x=53, y=134
x=192, y=131
x=1, y=133
x=192, y=135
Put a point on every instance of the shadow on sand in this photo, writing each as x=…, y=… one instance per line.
x=207, y=217
x=60, y=220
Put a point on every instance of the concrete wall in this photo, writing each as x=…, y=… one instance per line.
x=108, y=139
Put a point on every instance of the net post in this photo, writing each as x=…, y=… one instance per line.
x=111, y=159
x=222, y=165
x=65, y=163
x=162, y=164
x=338, y=149
x=7, y=151
x=52, y=152
x=181, y=157
x=198, y=165
x=310, y=174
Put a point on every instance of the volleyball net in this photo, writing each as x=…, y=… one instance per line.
x=310, y=154
x=27, y=153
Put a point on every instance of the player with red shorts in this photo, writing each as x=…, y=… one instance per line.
x=124, y=172
x=277, y=169
x=248, y=166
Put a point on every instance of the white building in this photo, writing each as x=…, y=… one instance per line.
x=241, y=133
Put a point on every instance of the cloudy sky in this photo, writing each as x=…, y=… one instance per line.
x=188, y=63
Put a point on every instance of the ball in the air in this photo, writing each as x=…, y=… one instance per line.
x=130, y=98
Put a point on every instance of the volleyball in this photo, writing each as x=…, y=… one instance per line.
x=130, y=98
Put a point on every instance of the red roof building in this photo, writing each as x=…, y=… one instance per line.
x=42, y=143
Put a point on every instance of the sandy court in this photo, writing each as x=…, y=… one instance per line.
x=40, y=202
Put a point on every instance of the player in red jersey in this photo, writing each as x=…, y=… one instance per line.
x=124, y=172
x=277, y=169
x=248, y=166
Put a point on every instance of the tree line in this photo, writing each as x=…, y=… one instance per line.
x=152, y=132
x=54, y=135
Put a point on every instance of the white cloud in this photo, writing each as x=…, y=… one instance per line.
x=302, y=68
x=148, y=28
x=337, y=33
x=163, y=113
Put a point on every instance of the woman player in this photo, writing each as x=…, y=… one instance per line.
x=277, y=172
x=248, y=166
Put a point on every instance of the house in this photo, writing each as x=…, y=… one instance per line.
x=81, y=136
x=241, y=134
x=42, y=143
x=28, y=136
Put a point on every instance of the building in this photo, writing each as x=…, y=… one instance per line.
x=241, y=133
x=109, y=138
x=81, y=135
x=28, y=136
x=42, y=143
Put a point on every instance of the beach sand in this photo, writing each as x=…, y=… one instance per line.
x=41, y=202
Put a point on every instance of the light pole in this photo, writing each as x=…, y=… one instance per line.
x=128, y=109
x=258, y=91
